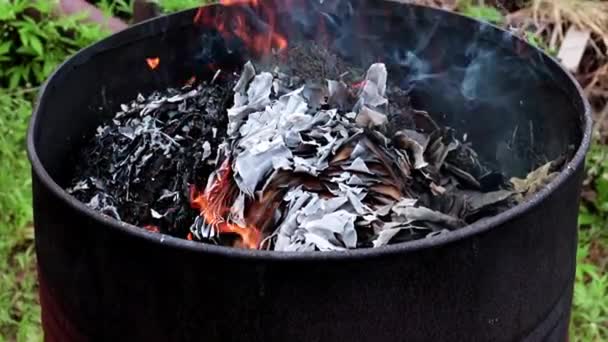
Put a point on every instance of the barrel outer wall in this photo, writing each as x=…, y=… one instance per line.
x=509, y=282
x=503, y=284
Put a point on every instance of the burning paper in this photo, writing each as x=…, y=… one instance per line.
x=337, y=179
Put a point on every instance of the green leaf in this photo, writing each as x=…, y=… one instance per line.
x=45, y=7
x=25, y=50
x=486, y=13
x=48, y=66
x=15, y=78
x=36, y=44
x=586, y=219
x=601, y=187
x=176, y=5
x=5, y=47
x=7, y=10
x=24, y=37
x=38, y=72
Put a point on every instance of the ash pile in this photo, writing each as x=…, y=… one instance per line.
x=269, y=160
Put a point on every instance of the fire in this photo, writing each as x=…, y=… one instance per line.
x=153, y=62
x=359, y=85
x=191, y=81
x=152, y=228
x=258, y=33
x=214, y=206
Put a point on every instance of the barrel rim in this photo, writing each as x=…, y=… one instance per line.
x=143, y=29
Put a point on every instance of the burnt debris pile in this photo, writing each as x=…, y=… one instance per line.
x=272, y=159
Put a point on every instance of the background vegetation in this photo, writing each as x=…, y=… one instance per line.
x=34, y=40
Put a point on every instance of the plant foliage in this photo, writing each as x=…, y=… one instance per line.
x=480, y=11
x=33, y=41
x=119, y=8
x=177, y=5
x=590, y=307
x=19, y=311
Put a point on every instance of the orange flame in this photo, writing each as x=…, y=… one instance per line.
x=191, y=81
x=238, y=23
x=214, y=207
x=153, y=62
x=358, y=85
x=152, y=228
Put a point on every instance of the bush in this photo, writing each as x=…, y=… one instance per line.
x=33, y=41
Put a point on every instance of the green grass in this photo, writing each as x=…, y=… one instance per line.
x=590, y=311
x=29, y=50
x=19, y=310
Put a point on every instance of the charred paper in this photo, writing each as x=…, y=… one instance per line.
x=272, y=160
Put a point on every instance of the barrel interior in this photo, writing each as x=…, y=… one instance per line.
x=516, y=106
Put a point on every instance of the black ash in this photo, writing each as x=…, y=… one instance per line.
x=138, y=166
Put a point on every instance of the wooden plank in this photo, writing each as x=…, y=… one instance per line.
x=573, y=47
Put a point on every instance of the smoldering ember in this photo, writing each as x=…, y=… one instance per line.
x=279, y=160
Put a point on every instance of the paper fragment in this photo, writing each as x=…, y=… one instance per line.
x=329, y=177
x=369, y=118
x=358, y=165
x=407, y=142
x=385, y=237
